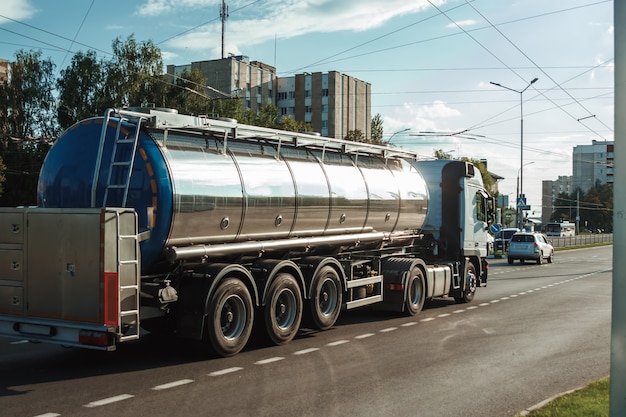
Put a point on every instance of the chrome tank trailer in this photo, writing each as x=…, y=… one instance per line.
x=206, y=184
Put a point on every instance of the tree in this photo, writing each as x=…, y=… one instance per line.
x=27, y=104
x=355, y=136
x=594, y=207
x=133, y=76
x=440, y=154
x=80, y=89
x=377, y=129
x=27, y=122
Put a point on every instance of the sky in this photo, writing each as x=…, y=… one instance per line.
x=431, y=63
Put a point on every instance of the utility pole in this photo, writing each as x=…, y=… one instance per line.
x=223, y=18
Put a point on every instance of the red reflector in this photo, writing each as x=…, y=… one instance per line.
x=91, y=338
x=394, y=287
x=111, y=297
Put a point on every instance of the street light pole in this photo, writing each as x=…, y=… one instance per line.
x=395, y=133
x=520, y=220
x=521, y=158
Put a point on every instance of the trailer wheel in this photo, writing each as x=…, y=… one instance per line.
x=467, y=295
x=283, y=309
x=416, y=290
x=326, y=297
x=230, y=317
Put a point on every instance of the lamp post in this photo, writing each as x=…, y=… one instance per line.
x=395, y=133
x=521, y=134
x=519, y=217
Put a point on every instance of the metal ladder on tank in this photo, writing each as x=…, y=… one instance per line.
x=120, y=168
x=129, y=283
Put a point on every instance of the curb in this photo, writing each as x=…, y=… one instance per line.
x=544, y=402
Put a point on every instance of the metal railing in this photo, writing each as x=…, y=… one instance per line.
x=581, y=240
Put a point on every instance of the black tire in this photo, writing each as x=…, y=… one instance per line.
x=326, y=298
x=551, y=258
x=283, y=309
x=540, y=258
x=471, y=281
x=416, y=293
x=510, y=260
x=230, y=316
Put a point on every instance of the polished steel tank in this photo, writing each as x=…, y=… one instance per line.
x=195, y=185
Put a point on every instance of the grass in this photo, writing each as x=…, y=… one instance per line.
x=590, y=401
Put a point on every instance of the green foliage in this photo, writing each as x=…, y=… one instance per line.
x=594, y=206
x=27, y=113
x=133, y=76
x=377, y=130
x=355, y=136
x=440, y=154
x=80, y=87
x=591, y=401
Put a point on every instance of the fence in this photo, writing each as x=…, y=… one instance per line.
x=581, y=240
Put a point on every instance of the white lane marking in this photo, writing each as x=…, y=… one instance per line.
x=19, y=342
x=269, y=360
x=494, y=301
x=363, y=336
x=472, y=308
x=483, y=304
x=444, y=315
x=411, y=323
x=173, y=384
x=458, y=311
x=226, y=371
x=427, y=319
x=49, y=415
x=109, y=400
x=305, y=351
x=337, y=343
x=388, y=329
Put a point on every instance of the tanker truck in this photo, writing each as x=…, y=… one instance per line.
x=199, y=228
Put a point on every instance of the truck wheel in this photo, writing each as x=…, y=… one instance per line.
x=467, y=295
x=326, y=296
x=230, y=317
x=416, y=290
x=283, y=309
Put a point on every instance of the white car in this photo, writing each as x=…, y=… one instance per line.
x=530, y=246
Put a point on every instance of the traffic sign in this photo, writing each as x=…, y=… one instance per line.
x=521, y=203
x=495, y=228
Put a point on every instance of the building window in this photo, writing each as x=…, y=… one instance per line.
x=324, y=92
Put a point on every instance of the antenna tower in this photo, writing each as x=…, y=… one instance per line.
x=223, y=17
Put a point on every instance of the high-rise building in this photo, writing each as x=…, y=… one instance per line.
x=592, y=163
x=550, y=190
x=236, y=76
x=333, y=103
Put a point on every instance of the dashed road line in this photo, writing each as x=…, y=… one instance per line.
x=110, y=400
x=388, y=329
x=305, y=351
x=269, y=360
x=173, y=384
x=364, y=336
x=226, y=371
x=337, y=343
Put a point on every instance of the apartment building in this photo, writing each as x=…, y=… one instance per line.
x=236, y=76
x=333, y=103
x=591, y=163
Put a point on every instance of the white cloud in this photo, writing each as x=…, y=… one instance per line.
x=468, y=22
x=16, y=9
x=283, y=19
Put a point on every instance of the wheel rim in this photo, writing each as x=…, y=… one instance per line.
x=416, y=291
x=471, y=281
x=233, y=317
x=285, y=309
x=327, y=299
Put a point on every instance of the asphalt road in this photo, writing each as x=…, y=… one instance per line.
x=534, y=332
